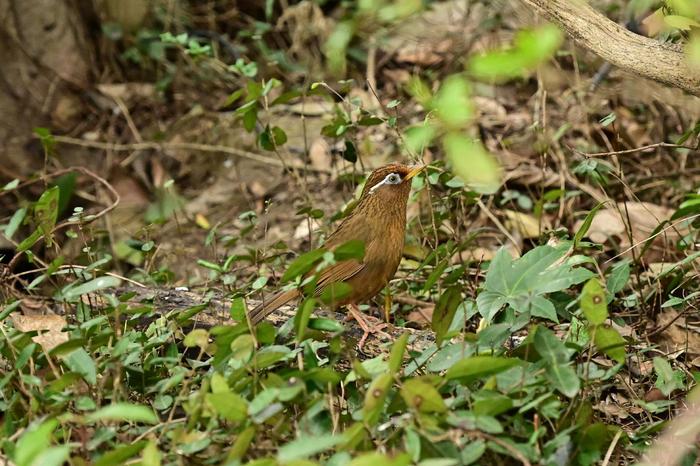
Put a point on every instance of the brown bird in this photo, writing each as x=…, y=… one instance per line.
x=379, y=221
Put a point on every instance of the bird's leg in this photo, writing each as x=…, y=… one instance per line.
x=367, y=324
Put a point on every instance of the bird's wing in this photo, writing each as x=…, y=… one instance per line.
x=340, y=272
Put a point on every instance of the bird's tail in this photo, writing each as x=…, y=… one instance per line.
x=268, y=307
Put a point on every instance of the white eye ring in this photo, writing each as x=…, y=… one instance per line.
x=392, y=178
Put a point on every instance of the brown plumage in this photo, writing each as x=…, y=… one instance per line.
x=379, y=220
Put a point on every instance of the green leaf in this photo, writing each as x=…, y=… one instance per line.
x=241, y=444
x=197, y=337
x=542, y=307
x=306, y=446
x=564, y=379
x=397, y=351
x=609, y=342
x=353, y=249
x=583, y=229
x=452, y=102
x=228, y=405
x=120, y=454
x=593, y=302
x=419, y=137
x=478, y=367
x=619, y=275
x=445, y=311
x=375, y=397
x=558, y=369
x=272, y=138
x=667, y=380
x=471, y=162
x=335, y=292
x=53, y=456
x=302, y=264
x=79, y=361
x=350, y=152
x=302, y=316
x=422, y=396
x=376, y=458
x=681, y=22
x=530, y=49
x=70, y=292
x=46, y=212
x=123, y=412
x=33, y=442
x=66, y=187
x=242, y=348
x=238, y=309
x=15, y=222
x=518, y=282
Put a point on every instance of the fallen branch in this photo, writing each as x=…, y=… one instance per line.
x=643, y=56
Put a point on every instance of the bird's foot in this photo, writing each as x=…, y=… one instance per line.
x=368, y=324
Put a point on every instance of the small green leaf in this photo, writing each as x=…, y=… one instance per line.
x=397, y=352
x=228, y=405
x=302, y=317
x=33, y=442
x=619, y=275
x=238, y=309
x=422, y=396
x=375, y=397
x=353, y=249
x=302, y=264
x=350, y=152
x=15, y=222
x=583, y=229
x=419, y=137
x=123, y=412
x=46, y=212
x=681, y=22
x=242, y=348
x=471, y=162
x=335, y=292
x=306, y=446
x=79, y=361
x=241, y=444
x=70, y=292
x=479, y=367
x=609, y=342
x=121, y=454
x=593, y=302
x=667, y=380
x=444, y=312
x=197, y=337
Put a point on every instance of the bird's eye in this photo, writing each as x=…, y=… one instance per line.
x=393, y=179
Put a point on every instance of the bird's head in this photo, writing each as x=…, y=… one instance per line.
x=391, y=181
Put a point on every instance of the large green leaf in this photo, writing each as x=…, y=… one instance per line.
x=522, y=283
x=478, y=367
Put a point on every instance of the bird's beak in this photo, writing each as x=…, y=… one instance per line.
x=416, y=170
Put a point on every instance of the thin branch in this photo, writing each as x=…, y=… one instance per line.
x=634, y=150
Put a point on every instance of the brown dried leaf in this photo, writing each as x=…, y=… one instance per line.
x=51, y=339
x=33, y=323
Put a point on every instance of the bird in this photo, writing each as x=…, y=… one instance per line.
x=379, y=221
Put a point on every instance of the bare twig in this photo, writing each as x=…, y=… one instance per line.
x=634, y=150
